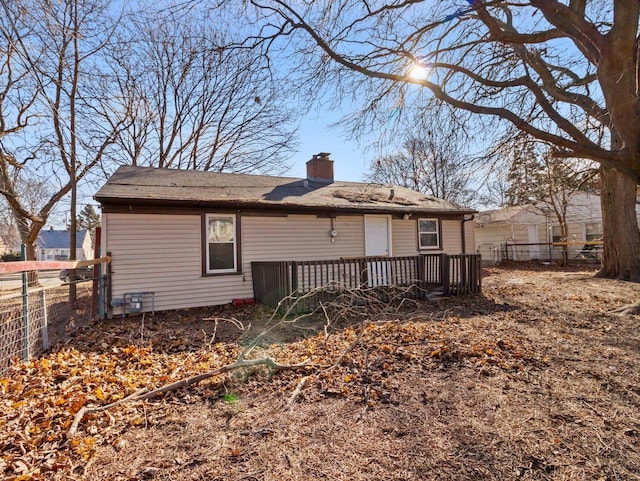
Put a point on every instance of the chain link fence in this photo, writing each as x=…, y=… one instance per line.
x=33, y=319
x=568, y=252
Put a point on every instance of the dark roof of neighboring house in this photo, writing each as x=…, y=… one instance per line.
x=147, y=185
x=59, y=239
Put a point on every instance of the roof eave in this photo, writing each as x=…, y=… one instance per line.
x=106, y=201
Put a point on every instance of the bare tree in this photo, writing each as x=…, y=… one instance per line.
x=548, y=183
x=198, y=105
x=433, y=159
x=18, y=113
x=57, y=48
x=565, y=73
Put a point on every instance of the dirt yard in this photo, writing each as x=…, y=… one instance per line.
x=535, y=380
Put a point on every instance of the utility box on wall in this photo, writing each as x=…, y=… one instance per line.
x=133, y=302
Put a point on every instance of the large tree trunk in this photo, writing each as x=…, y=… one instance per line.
x=621, y=257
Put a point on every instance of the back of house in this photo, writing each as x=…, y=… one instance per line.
x=180, y=239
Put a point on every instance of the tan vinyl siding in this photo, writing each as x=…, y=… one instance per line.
x=162, y=254
x=404, y=236
x=451, y=236
x=300, y=238
x=469, y=237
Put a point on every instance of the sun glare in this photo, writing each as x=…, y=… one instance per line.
x=418, y=71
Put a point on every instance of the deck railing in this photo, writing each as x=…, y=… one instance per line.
x=417, y=275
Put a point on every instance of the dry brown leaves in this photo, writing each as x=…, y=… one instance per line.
x=40, y=399
x=535, y=380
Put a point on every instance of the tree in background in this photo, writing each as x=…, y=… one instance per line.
x=57, y=92
x=433, y=159
x=537, y=178
x=81, y=79
x=196, y=105
x=89, y=219
x=523, y=175
x=17, y=98
x=565, y=73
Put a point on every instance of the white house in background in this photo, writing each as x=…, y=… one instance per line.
x=532, y=227
x=4, y=248
x=54, y=245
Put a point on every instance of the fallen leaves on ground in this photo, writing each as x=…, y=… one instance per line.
x=474, y=367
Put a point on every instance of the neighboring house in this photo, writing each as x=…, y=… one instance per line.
x=4, y=248
x=54, y=245
x=190, y=237
x=525, y=232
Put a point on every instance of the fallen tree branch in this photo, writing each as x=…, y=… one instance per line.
x=351, y=347
x=633, y=308
x=296, y=392
x=84, y=410
x=221, y=370
x=144, y=394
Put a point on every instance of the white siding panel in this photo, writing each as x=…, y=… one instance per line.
x=451, y=236
x=492, y=234
x=162, y=254
x=404, y=235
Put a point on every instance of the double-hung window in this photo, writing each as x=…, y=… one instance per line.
x=221, y=252
x=428, y=234
x=556, y=234
x=593, y=232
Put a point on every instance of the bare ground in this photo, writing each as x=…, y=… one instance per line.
x=534, y=380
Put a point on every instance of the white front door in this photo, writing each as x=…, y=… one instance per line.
x=377, y=240
x=534, y=250
x=377, y=235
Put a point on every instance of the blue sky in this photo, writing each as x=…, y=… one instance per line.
x=316, y=134
x=351, y=161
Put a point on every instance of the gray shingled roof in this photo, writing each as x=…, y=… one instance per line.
x=59, y=239
x=145, y=184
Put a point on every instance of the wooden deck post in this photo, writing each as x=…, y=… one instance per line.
x=444, y=274
x=422, y=276
x=364, y=274
x=465, y=265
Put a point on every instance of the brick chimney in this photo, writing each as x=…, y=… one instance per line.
x=320, y=168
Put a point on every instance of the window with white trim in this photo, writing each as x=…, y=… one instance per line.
x=593, y=232
x=428, y=234
x=221, y=252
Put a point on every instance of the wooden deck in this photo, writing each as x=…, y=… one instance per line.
x=416, y=276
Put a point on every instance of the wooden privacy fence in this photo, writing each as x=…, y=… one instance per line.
x=416, y=275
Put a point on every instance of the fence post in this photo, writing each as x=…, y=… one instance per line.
x=444, y=273
x=294, y=278
x=422, y=276
x=465, y=265
x=95, y=282
x=108, y=286
x=25, y=306
x=101, y=294
x=45, y=322
x=364, y=274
